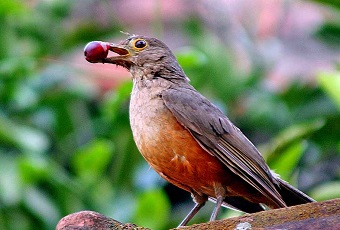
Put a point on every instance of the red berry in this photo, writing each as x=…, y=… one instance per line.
x=96, y=50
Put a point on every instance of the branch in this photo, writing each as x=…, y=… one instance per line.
x=87, y=220
x=318, y=215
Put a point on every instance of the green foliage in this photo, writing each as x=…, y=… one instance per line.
x=64, y=147
x=288, y=137
x=329, y=33
x=86, y=163
x=330, y=83
x=191, y=58
x=326, y=191
x=153, y=209
x=290, y=157
x=332, y=3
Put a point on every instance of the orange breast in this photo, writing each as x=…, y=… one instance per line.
x=172, y=152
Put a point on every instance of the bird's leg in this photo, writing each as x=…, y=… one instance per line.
x=220, y=192
x=217, y=208
x=191, y=214
x=199, y=203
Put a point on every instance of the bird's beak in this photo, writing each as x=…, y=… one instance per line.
x=123, y=58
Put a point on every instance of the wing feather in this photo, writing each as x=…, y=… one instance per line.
x=216, y=134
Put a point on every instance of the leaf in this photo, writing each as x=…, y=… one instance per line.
x=189, y=57
x=285, y=164
x=326, y=191
x=11, y=7
x=91, y=161
x=332, y=3
x=153, y=209
x=114, y=103
x=329, y=33
x=22, y=137
x=288, y=137
x=10, y=184
x=42, y=205
x=330, y=83
x=33, y=170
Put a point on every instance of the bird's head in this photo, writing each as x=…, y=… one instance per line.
x=144, y=55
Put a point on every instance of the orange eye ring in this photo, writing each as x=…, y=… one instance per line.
x=139, y=44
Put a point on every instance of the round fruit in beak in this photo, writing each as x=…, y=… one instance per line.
x=96, y=50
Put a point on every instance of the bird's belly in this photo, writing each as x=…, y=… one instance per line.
x=172, y=151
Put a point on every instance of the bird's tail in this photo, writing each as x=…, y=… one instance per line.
x=291, y=195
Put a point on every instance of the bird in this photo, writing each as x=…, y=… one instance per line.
x=188, y=140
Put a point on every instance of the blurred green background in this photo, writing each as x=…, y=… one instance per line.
x=65, y=140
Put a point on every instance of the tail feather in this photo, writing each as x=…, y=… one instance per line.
x=291, y=195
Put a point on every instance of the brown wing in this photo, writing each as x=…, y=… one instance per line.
x=214, y=132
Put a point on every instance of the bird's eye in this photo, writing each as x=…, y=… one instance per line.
x=140, y=44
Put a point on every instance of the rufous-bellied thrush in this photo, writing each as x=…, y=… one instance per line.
x=187, y=140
